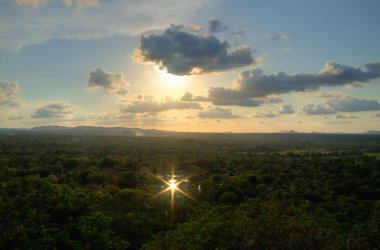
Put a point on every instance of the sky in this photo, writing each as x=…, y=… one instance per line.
x=191, y=65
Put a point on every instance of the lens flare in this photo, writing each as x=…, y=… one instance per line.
x=173, y=186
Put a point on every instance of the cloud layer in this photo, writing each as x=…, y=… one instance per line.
x=180, y=51
x=9, y=93
x=217, y=113
x=155, y=107
x=30, y=3
x=109, y=18
x=254, y=83
x=111, y=83
x=54, y=110
x=341, y=104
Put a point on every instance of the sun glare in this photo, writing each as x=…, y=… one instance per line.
x=170, y=79
x=173, y=187
x=172, y=184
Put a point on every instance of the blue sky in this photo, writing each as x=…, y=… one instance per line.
x=199, y=65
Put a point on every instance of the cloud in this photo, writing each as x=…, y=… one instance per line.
x=218, y=113
x=343, y=117
x=109, y=18
x=154, y=107
x=215, y=26
x=16, y=117
x=30, y=3
x=330, y=95
x=189, y=97
x=219, y=100
x=180, y=51
x=254, y=83
x=342, y=104
x=112, y=83
x=335, y=122
x=278, y=36
x=9, y=93
x=80, y=4
x=54, y=110
x=238, y=34
x=286, y=109
x=265, y=114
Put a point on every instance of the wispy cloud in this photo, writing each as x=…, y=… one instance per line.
x=109, y=18
x=265, y=114
x=80, y=4
x=147, y=106
x=30, y=3
x=278, y=36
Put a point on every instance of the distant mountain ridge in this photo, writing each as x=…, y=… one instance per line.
x=91, y=130
x=136, y=132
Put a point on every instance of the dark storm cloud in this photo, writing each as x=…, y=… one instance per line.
x=218, y=113
x=215, y=26
x=344, y=104
x=112, y=83
x=54, y=110
x=254, y=83
x=180, y=51
x=155, y=107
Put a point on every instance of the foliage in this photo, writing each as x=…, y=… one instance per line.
x=86, y=192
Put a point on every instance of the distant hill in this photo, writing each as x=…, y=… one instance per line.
x=88, y=130
x=124, y=131
x=373, y=132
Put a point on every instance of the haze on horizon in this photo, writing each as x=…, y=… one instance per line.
x=191, y=65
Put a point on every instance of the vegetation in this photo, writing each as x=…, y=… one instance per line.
x=89, y=192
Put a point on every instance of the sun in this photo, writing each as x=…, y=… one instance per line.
x=172, y=184
x=173, y=187
x=170, y=79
